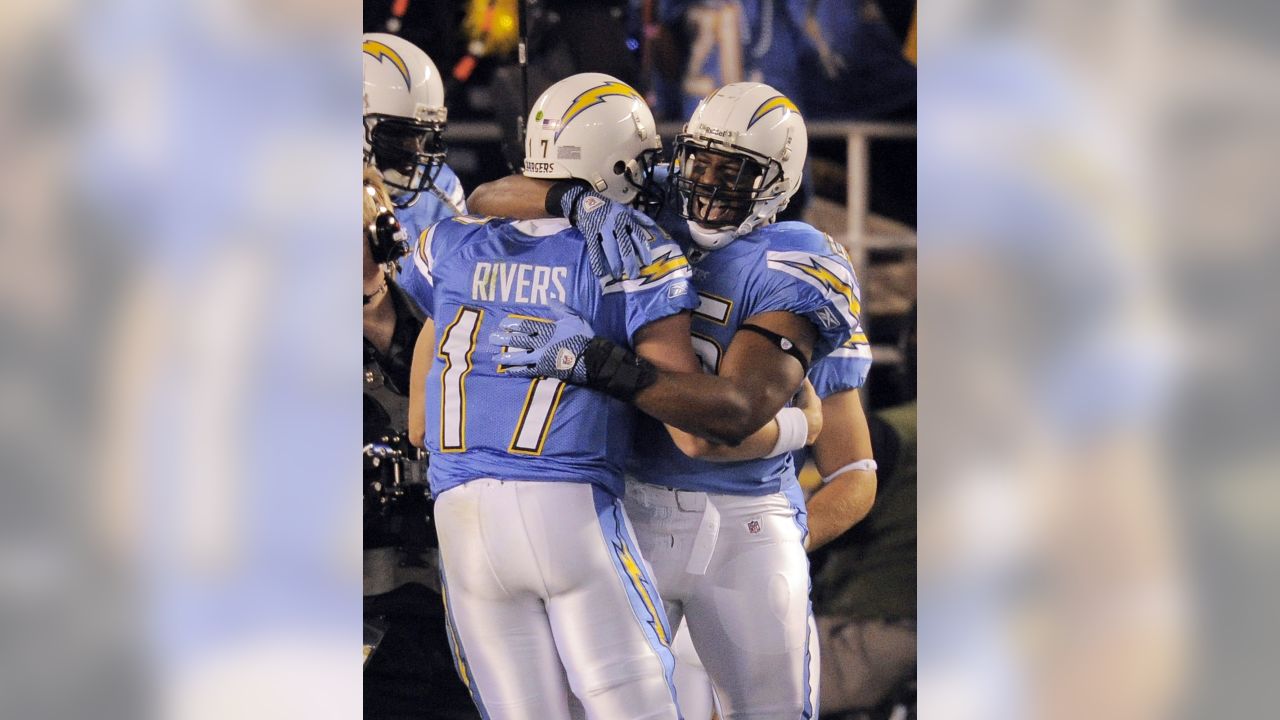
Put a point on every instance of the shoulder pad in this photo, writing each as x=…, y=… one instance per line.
x=804, y=237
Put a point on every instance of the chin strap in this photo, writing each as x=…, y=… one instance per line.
x=711, y=239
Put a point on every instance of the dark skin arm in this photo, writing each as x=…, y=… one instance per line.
x=514, y=196
x=665, y=343
x=756, y=379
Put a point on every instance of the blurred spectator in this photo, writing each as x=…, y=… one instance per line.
x=709, y=35
x=854, y=65
x=834, y=58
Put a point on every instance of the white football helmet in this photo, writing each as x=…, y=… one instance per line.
x=738, y=161
x=596, y=128
x=404, y=114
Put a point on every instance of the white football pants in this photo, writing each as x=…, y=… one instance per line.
x=544, y=580
x=693, y=687
x=738, y=575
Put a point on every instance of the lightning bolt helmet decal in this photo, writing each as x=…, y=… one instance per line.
x=768, y=106
x=592, y=97
x=382, y=52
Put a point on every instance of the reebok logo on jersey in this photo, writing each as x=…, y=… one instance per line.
x=677, y=289
x=827, y=318
x=565, y=359
x=591, y=203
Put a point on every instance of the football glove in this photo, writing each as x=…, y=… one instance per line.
x=549, y=349
x=618, y=237
x=568, y=349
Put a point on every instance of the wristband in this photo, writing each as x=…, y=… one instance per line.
x=867, y=464
x=616, y=371
x=554, y=202
x=793, y=430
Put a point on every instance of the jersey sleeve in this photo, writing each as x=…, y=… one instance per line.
x=663, y=289
x=415, y=276
x=845, y=368
x=814, y=284
x=452, y=187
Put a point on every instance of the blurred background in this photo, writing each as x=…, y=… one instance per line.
x=1097, y=507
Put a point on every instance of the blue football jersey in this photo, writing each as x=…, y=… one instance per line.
x=787, y=267
x=483, y=423
x=443, y=200
x=845, y=368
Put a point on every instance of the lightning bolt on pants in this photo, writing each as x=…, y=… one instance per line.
x=547, y=594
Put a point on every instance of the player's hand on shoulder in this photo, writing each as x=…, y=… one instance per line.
x=551, y=348
x=618, y=236
x=807, y=400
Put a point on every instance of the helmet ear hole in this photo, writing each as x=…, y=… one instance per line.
x=619, y=167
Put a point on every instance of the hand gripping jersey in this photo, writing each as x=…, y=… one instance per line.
x=788, y=267
x=444, y=199
x=484, y=424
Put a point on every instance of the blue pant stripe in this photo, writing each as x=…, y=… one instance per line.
x=810, y=636
x=646, y=603
x=465, y=672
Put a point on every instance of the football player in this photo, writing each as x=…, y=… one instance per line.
x=540, y=564
x=545, y=587
x=842, y=454
x=404, y=122
x=726, y=541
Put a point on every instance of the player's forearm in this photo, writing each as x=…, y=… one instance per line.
x=417, y=382
x=756, y=446
x=704, y=405
x=839, y=505
x=514, y=196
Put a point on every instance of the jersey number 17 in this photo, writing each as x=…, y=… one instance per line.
x=457, y=345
